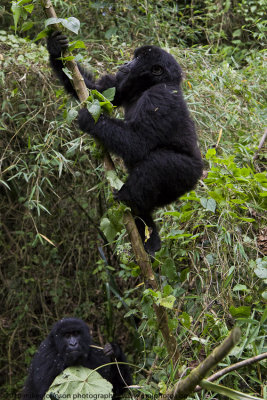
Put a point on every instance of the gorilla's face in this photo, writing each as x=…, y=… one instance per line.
x=72, y=340
x=150, y=66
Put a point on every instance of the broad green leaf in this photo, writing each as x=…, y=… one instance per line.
x=72, y=114
x=241, y=288
x=106, y=106
x=82, y=382
x=225, y=391
x=109, y=94
x=261, y=272
x=109, y=230
x=240, y=312
x=167, y=302
x=78, y=44
x=261, y=269
x=210, y=154
x=185, y=320
x=167, y=290
x=51, y=21
x=97, y=95
x=94, y=109
x=208, y=204
x=72, y=24
x=113, y=179
x=261, y=177
x=29, y=8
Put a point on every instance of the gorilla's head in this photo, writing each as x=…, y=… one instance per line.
x=150, y=66
x=72, y=339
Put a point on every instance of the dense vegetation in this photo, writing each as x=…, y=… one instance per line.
x=64, y=250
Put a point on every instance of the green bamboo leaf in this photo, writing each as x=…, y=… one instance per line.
x=16, y=10
x=225, y=391
x=5, y=184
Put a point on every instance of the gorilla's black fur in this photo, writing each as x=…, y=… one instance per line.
x=68, y=344
x=156, y=140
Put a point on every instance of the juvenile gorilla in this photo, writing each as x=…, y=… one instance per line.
x=156, y=140
x=68, y=344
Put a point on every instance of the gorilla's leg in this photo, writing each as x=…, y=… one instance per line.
x=159, y=180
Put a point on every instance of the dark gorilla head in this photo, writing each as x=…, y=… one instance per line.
x=150, y=66
x=72, y=339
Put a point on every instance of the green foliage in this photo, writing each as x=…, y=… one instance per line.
x=71, y=23
x=98, y=102
x=21, y=9
x=229, y=393
x=80, y=381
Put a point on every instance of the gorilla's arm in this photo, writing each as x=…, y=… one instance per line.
x=152, y=125
x=120, y=375
x=56, y=43
x=45, y=366
x=118, y=136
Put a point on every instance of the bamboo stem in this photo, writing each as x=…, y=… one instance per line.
x=186, y=386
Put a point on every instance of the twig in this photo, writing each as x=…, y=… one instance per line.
x=96, y=347
x=141, y=256
x=233, y=367
x=186, y=386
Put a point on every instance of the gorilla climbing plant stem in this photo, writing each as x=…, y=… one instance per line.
x=141, y=256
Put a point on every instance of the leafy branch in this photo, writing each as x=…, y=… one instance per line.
x=234, y=367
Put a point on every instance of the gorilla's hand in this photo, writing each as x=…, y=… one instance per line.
x=108, y=350
x=56, y=43
x=86, y=121
x=112, y=350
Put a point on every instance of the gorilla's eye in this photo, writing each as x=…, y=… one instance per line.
x=157, y=70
